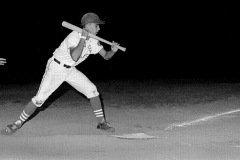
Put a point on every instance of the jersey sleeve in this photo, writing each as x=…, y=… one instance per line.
x=73, y=39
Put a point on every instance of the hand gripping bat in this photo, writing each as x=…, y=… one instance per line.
x=75, y=28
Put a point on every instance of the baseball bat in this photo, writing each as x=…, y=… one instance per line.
x=75, y=28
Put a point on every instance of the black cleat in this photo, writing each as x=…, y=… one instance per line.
x=10, y=129
x=105, y=126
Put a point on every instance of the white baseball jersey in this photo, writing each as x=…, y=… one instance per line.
x=92, y=46
x=56, y=74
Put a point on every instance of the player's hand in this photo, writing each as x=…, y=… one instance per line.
x=85, y=33
x=114, y=47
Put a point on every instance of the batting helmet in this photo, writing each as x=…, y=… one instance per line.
x=91, y=18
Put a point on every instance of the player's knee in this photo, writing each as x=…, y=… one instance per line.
x=37, y=103
x=92, y=92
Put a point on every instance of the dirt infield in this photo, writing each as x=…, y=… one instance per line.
x=192, y=121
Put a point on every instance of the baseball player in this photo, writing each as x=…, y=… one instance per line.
x=74, y=49
x=2, y=61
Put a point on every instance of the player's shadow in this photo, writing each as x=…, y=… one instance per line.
x=60, y=91
x=64, y=88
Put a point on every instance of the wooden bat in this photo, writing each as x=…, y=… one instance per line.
x=75, y=28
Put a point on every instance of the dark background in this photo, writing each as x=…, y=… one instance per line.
x=163, y=40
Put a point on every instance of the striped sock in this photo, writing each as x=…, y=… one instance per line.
x=99, y=114
x=24, y=116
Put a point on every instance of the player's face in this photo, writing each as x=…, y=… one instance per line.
x=93, y=28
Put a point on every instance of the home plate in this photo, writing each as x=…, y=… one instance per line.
x=134, y=136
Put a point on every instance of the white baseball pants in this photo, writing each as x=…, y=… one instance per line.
x=55, y=74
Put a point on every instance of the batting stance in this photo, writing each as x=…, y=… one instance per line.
x=74, y=49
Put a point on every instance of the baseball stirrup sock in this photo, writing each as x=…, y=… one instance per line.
x=99, y=113
x=97, y=107
x=23, y=117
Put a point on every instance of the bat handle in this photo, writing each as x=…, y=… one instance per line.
x=121, y=48
x=105, y=41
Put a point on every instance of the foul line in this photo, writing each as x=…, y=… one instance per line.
x=144, y=136
x=199, y=120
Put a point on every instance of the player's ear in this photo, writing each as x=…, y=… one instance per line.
x=86, y=25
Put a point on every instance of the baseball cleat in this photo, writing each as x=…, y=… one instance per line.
x=105, y=126
x=10, y=129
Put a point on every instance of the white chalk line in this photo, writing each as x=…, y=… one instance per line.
x=135, y=135
x=199, y=120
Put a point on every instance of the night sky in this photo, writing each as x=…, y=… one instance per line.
x=165, y=40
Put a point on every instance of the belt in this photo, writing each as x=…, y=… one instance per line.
x=64, y=65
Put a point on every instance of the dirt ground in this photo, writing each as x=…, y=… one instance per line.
x=190, y=121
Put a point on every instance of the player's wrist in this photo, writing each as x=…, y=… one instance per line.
x=111, y=52
x=83, y=37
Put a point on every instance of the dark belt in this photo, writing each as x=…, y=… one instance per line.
x=64, y=65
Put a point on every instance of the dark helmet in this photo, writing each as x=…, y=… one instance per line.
x=91, y=18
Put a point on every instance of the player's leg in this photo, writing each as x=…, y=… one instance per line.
x=97, y=108
x=51, y=80
x=26, y=113
x=81, y=83
x=100, y=114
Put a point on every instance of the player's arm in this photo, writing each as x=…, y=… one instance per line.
x=76, y=52
x=108, y=55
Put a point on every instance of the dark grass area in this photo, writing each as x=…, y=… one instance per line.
x=149, y=92
x=128, y=92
